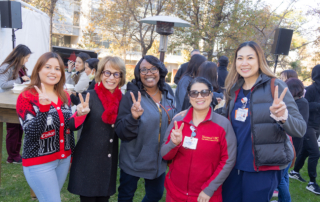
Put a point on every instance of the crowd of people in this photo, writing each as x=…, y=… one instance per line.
x=240, y=152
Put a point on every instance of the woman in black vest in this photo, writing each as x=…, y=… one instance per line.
x=261, y=120
x=94, y=167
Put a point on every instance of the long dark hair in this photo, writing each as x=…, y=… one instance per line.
x=162, y=73
x=194, y=64
x=208, y=70
x=15, y=58
x=83, y=56
x=35, y=78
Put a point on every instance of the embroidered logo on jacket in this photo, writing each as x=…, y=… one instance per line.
x=213, y=139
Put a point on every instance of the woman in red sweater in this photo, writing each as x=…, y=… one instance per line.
x=202, y=146
x=44, y=111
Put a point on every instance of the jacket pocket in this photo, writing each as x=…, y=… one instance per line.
x=147, y=159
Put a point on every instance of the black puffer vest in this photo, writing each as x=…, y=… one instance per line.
x=271, y=144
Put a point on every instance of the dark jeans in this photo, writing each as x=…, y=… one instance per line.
x=128, y=186
x=309, y=149
x=94, y=199
x=241, y=186
x=13, y=141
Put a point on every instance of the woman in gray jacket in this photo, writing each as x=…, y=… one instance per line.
x=13, y=70
x=262, y=121
x=145, y=112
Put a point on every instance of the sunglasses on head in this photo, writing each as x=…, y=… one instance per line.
x=108, y=74
x=203, y=93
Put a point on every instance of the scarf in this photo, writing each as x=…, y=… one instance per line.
x=110, y=102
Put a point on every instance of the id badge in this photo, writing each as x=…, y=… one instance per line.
x=190, y=143
x=241, y=114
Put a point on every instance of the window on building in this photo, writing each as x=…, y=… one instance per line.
x=76, y=18
x=61, y=40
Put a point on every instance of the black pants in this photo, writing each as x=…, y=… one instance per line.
x=297, y=143
x=94, y=199
x=309, y=149
x=128, y=186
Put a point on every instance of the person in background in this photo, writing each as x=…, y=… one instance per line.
x=192, y=70
x=183, y=67
x=13, y=70
x=44, y=110
x=207, y=70
x=284, y=76
x=287, y=74
x=91, y=66
x=310, y=148
x=222, y=72
x=296, y=88
x=261, y=120
x=198, y=170
x=145, y=112
x=93, y=171
x=80, y=80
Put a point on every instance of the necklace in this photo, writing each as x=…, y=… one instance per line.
x=153, y=94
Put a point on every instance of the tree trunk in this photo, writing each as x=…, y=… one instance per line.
x=50, y=37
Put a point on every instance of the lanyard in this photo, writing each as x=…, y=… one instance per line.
x=193, y=129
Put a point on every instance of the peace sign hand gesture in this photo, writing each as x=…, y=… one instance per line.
x=279, y=108
x=176, y=133
x=136, y=109
x=43, y=96
x=83, y=107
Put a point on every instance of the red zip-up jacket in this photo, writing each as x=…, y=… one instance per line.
x=206, y=167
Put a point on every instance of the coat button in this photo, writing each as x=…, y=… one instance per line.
x=109, y=155
x=62, y=155
x=61, y=141
x=111, y=140
x=62, y=124
x=58, y=108
x=112, y=125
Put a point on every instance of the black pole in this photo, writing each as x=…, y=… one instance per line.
x=13, y=39
x=162, y=56
x=275, y=64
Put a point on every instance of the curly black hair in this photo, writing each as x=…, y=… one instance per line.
x=162, y=72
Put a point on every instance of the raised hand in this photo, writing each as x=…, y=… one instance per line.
x=176, y=133
x=278, y=107
x=43, y=96
x=83, y=107
x=136, y=109
x=203, y=197
x=70, y=65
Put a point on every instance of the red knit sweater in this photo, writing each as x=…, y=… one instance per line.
x=46, y=127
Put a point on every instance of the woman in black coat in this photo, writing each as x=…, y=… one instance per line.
x=94, y=167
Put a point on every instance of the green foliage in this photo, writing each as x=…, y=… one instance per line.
x=168, y=77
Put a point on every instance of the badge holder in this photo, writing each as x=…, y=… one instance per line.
x=191, y=142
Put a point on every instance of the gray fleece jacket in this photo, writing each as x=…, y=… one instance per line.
x=141, y=139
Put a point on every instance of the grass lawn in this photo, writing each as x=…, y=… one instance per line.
x=14, y=187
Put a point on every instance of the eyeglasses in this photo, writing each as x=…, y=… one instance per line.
x=107, y=73
x=153, y=70
x=203, y=93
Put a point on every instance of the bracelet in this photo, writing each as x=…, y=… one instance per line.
x=281, y=118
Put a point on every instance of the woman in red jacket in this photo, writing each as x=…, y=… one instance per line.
x=202, y=146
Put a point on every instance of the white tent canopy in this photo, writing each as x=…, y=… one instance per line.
x=34, y=34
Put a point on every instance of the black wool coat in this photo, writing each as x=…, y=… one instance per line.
x=94, y=165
